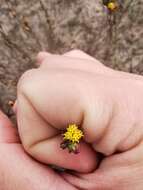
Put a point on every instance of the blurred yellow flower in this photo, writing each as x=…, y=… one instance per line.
x=112, y=6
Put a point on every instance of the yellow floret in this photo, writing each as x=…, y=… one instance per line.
x=73, y=134
x=112, y=6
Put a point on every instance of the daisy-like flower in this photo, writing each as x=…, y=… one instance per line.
x=72, y=138
x=73, y=134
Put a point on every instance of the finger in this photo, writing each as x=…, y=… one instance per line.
x=20, y=172
x=49, y=152
x=95, y=180
x=39, y=139
x=43, y=58
x=124, y=168
x=82, y=61
x=58, y=112
x=71, y=105
x=84, y=99
x=67, y=62
x=8, y=134
x=32, y=126
x=97, y=67
x=73, y=53
x=77, y=59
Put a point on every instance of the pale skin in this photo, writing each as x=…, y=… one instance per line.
x=18, y=171
x=107, y=104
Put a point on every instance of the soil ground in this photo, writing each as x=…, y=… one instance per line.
x=29, y=26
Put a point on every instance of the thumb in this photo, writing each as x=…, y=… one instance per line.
x=8, y=134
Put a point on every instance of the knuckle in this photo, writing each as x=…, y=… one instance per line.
x=25, y=81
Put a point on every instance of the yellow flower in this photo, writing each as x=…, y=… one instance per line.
x=73, y=134
x=112, y=6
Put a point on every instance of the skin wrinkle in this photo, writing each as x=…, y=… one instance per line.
x=127, y=140
x=122, y=144
x=98, y=101
x=106, y=127
x=123, y=159
x=109, y=150
x=123, y=141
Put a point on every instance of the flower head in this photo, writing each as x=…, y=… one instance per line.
x=112, y=6
x=73, y=134
x=71, y=138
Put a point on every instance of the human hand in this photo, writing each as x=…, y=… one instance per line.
x=107, y=104
x=18, y=171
